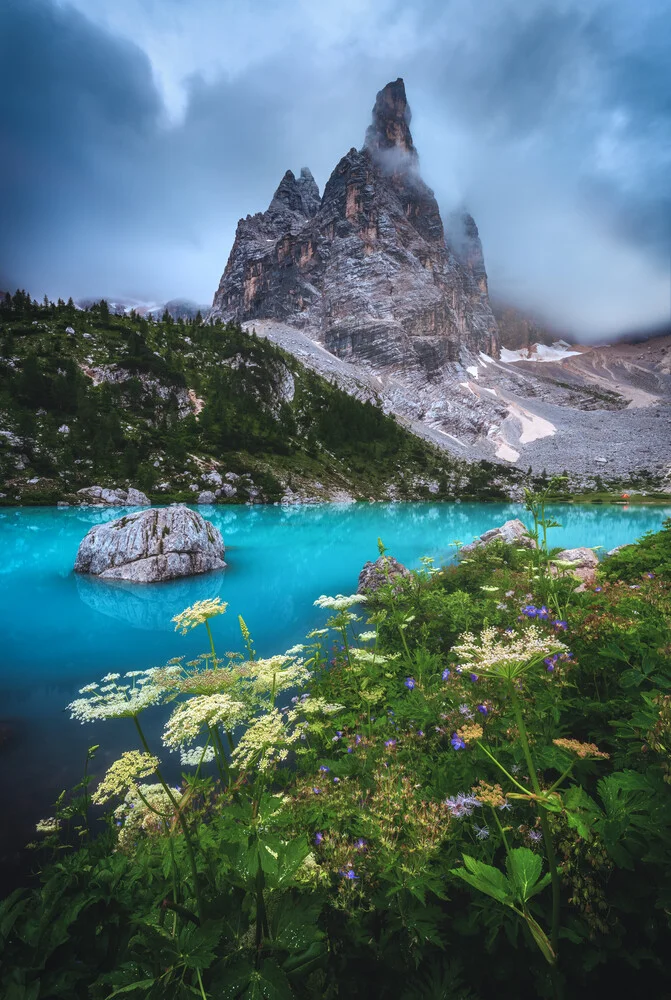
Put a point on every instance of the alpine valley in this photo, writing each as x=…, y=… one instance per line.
x=351, y=351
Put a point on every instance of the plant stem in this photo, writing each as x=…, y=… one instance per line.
x=502, y=768
x=545, y=826
x=182, y=822
x=209, y=635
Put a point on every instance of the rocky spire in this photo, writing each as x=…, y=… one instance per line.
x=390, y=128
x=298, y=195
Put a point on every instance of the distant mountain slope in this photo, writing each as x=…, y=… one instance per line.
x=88, y=397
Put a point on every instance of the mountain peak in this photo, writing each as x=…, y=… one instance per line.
x=390, y=127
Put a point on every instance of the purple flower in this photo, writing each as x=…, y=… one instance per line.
x=409, y=683
x=506, y=805
x=324, y=769
x=390, y=743
x=350, y=749
x=457, y=742
x=318, y=838
x=446, y=673
x=357, y=739
x=597, y=590
x=337, y=736
x=349, y=874
x=650, y=576
x=481, y=832
x=462, y=805
x=561, y=625
x=473, y=677
x=317, y=791
x=483, y=710
x=535, y=836
x=360, y=844
x=420, y=732
x=465, y=711
x=336, y=781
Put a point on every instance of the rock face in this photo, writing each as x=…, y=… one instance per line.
x=114, y=497
x=512, y=532
x=585, y=563
x=152, y=546
x=376, y=574
x=368, y=267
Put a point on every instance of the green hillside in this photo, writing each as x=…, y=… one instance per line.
x=88, y=398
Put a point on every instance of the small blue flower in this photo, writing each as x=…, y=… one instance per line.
x=473, y=677
x=357, y=739
x=409, y=683
x=350, y=749
x=324, y=769
x=336, y=781
x=650, y=576
x=563, y=625
x=318, y=838
x=338, y=735
x=390, y=743
x=317, y=791
x=446, y=673
x=597, y=590
x=535, y=835
x=349, y=874
x=360, y=844
x=481, y=832
x=420, y=732
x=483, y=710
x=457, y=742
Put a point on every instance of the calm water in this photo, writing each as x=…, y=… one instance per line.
x=60, y=631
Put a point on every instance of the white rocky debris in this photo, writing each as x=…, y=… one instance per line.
x=151, y=546
x=114, y=497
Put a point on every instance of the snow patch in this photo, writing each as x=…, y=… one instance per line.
x=538, y=352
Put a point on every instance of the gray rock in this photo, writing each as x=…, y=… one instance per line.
x=228, y=491
x=376, y=574
x=585, y=562
x=618, y=548
x=151, y=546
x=114, y=497
x=512, y=532
x=207, y=496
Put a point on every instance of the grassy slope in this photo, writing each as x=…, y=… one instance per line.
x=123, y=401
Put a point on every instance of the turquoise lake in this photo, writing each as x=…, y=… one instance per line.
x=60, y=631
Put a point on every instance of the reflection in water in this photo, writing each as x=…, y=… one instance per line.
x=149, y=606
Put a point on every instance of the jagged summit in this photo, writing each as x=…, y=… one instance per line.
x=390, y=128
x=298, y=195
x=366, y=269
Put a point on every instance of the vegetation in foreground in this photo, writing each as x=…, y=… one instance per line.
x=466, y=797
x=174, y=407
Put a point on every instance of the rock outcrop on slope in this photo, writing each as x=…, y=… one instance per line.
x=152, y=546
x=115, y=497
x=368, y=268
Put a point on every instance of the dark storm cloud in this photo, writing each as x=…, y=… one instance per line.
x=134, y=136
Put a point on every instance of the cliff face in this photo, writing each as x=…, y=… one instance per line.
x=366, y=268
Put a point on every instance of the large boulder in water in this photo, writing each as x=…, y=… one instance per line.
x=512, y=532
x=376, y=574
x=151, y=546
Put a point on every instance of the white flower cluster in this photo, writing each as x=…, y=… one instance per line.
x=190, y=716
x=314, y=706
x=198, y=614
x=506, y=654
x=278, y=673
x=340, y=602
x=111, y=700
x=145, y=809
x=50, y=825
x=125, y=773
x=267, y=740
x=195, y=756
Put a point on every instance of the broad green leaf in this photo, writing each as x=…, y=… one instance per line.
x=541, y=939
x=485, y=878
x=524, y=869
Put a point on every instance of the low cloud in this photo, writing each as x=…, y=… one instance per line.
x=133, y=138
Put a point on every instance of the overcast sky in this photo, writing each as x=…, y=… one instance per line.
x=135, y=133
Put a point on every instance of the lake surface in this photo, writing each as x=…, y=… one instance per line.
x=60, y=631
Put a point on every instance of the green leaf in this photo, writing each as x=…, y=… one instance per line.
x=541, y=939
x=243, y=982
x=524, y=869
x=485, y=878
x=141, y=984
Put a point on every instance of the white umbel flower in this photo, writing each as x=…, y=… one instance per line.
x=190, y=716
x=115, y=701
x=340, y=602
x=506, y=654
x=267, y=740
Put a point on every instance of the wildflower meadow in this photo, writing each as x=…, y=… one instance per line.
x=458, y=787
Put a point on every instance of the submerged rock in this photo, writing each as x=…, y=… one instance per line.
x=114, y=497
x=512, y=532
x=376, y=574
x=151, y=546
